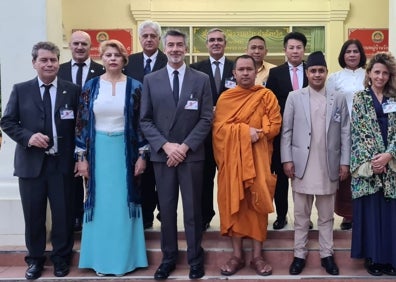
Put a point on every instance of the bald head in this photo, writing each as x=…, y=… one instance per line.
x=80, y=45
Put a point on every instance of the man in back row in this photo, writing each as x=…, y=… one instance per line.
x=257, y=48
x=281, y=80
x=78, y=70
x=219, y=69
x=149, y=60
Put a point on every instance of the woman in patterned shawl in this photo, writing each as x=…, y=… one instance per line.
x=373, y=167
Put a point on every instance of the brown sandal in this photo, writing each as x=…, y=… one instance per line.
x=234, y=264
x=261, y=267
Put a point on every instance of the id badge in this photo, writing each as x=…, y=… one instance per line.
x=389, y=107
x=66, y=113
x=192, y=104
x=230, y=83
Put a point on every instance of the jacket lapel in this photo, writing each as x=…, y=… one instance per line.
x=330, y=101
x=305, y=104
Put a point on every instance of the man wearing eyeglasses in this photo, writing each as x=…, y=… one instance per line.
x=219, y=69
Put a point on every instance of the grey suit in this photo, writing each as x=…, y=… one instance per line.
x=296, y=132
x=296, y=147
x=41, y=175
x=135, y=69
x=162, y=121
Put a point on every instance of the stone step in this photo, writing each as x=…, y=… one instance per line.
x=277, y=250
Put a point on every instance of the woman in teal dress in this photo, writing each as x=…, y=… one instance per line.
x=111, y=156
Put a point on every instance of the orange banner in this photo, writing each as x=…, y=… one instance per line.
x=99, y=35
x=373, y=39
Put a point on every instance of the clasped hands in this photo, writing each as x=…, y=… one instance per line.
x=379, y=162
x=289, y=170
x=176, y=153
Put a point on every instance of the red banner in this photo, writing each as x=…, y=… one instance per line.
x=373, y=39
x=99, y=35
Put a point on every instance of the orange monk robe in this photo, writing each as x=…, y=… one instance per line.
x=245, y=183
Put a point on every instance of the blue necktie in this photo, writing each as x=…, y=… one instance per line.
x=147, y=67
x=176, y=86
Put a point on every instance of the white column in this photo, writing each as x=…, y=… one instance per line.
x=23, y=23
x=392, y=26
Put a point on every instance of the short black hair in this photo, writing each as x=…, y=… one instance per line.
x=363, y=58
x=295, y=35
x=257, y=37
x=244, y=57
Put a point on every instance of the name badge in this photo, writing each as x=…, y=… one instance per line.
x=230, y=83
x=66, y=113
x=389, y=107
x=191, y=105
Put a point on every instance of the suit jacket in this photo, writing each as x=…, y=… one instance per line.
x=162, y=121
x=206, y=67
x=24, y=116
x=135, y=66
x=65, y=71
x=280, y=83
x=296, y=132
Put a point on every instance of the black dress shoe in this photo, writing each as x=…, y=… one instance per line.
x=346, y=225
x=374, y=269
x=34, y=271
x=205, y=226
x=61, y=269
x=196, y=271
x=329, y=264
x=279, y=223
x=297, y=266
x=164, y=271
x=388, y=269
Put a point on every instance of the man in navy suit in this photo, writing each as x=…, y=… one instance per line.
x=149, y=60
x=216, y=43
x=40, y=118
x=176, y=116
x=80, y=45
x=282, y=80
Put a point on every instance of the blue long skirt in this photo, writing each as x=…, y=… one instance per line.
x=112, y=243
x=374, y=229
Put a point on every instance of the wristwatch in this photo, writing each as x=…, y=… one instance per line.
x=144, y=155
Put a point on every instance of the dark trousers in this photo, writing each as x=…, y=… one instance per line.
x=53, y=185
x=187, y=176
x=78, y=206
x=149, y=193
x=282, y=182
x=208, y=181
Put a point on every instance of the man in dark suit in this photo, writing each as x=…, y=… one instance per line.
x=40, y=118
x=281, y=80
x=78, y=70
x=80, y=45
x=216, y=43
x=140, y=64
x=176, y=116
